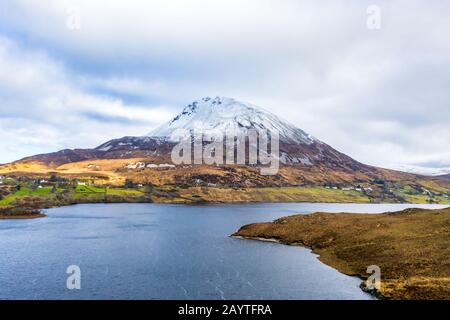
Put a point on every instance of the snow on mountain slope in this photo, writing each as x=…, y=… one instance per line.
x=228, y=116
x=223, y=116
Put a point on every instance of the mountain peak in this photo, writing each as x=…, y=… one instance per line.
x=227, y=115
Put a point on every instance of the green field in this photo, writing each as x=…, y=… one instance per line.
x=172, y=194
x=79, y=192
x=23, y=192
x=314, y=194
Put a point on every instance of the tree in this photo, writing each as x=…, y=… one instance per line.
x=129, y=184
x=148, y=188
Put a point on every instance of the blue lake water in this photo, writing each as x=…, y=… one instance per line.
x=154, y=251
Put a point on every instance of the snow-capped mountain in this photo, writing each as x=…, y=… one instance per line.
x=304, y=160
x=228, y=116
x=220, y=115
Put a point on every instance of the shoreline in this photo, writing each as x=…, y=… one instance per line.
x=373, y=293
x=34, y=215
x=20, y=213
x=21, y=216
x=404, y=245
x=49, y=196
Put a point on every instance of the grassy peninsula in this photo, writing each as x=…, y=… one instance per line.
x=412, y=247
x=16, y=213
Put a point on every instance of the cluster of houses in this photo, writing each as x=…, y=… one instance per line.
x=431, y=194
x=352, y=188
x=369, y=189
x=143, y=165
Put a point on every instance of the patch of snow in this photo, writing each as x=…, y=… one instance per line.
x=305, y=161
x=105, y=147
x=426, y=171
x=227, y=116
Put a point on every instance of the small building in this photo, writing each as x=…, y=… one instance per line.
x=137, y=165
x=166, y=165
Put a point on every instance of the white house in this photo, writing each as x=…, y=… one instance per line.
x=166, y=165
x=137, y=165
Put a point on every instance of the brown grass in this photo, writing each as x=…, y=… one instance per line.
x=411, y=247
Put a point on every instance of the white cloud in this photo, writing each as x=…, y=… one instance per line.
x=379, y=96
x=43, y=110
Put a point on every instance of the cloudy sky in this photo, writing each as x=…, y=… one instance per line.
x=77, y=73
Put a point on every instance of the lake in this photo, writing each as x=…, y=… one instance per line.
x=160, y=251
